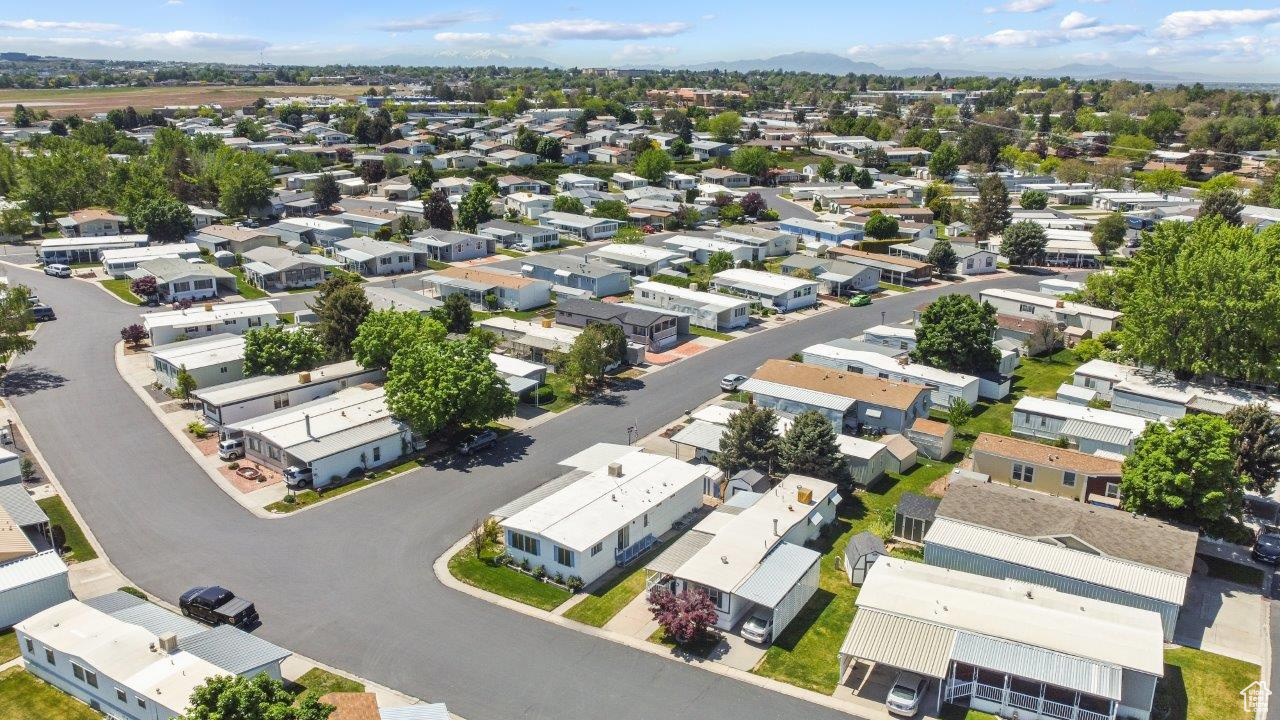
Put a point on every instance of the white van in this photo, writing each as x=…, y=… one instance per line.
x=231, y=449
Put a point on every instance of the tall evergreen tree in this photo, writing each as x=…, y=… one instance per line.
x=991, y=213
x=750, y=441
x=809, y=448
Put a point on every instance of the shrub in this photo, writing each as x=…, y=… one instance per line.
x=574, y=583
x=27, y=469
x=560, y=578
x=524, y=564
x=233, y=465
x=198, y=429
x=541, y=572
x=1089, y=349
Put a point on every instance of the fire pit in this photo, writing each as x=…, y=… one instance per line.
x=249, y=473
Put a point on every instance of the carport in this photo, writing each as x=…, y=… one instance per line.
x=783, y=583
x=902, y=643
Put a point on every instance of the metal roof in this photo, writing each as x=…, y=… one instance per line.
x=1100, y=570
x=113, y=602
x=741, y=500
x=678, y=552
x=429, y=711
x=863, y=543
x=157, y=620
x=310, y=450
x=31, y=568
x=542, y=491
x=1068, y=671
x=1098, y=433
x=904, y=643
x=799, y=395
x=778, y=574
x=700, y=434
x=17, y=502
x=233, y=649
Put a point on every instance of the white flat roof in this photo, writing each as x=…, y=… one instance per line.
x=1071, y=411
x=197, y=315
x=716, y=301
x=148, y=252
x=1018, y=612
x=202, y=352
x=702, y=243
x=1048, y=301
x=93, y=241
x=888, y=364
x=348, y=408
x=642, y=253
x=897, y=331
x=741, y=542
x=761, y=279
x=314, y=223
x=595, y=506
x=271, y=384
x=508, y=365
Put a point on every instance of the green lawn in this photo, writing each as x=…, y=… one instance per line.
x=120, y=288
x=77, y=548
x=311, y=497
x=322, y=682
x=1198, y=685
x=890, y=286
x=484, y=572
x=510, y=253
x=956, y=712
x=246, y=289
x=23, y=696
x=557, y=395
x=1235, y=572
x=704, y=332
x=804, y=654
x=599, y=606
x=8, y=645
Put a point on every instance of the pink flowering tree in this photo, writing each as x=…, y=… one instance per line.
x=684, y=616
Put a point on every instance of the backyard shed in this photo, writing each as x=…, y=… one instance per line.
x=914, y=516
x=860, y=554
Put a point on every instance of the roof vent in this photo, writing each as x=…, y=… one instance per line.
x=168, y=642
x=724, y=559
x=615, y=469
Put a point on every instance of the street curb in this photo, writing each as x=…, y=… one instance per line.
x=441, y=569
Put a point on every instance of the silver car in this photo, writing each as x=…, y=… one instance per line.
x=904, y=697
x=731, y=383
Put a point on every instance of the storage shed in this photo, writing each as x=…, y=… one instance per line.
x=914, y=516
x=860, y=554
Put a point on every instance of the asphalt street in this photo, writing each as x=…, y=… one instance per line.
x=350, y=583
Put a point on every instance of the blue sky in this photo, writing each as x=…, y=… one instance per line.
x=1237, y=42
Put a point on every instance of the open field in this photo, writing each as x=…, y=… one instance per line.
x=86, y=101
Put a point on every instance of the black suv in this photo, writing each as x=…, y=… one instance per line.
x=217, y=605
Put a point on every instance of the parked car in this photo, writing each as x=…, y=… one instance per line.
x=1267, y=548
x=57, y=270
x=758, y=628
x=297, y=476
x=231, y=449
x=904, y=697
x=217, y=606
x=41, y=313
x=731, y=382
x=477, y=443
x=859, y=301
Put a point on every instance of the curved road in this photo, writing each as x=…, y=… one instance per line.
x=350, y=583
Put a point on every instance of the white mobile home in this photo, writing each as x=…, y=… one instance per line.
x=699, y=248
x=370, y=257
x=252, y=397
x=583, y=226
x=118, y=262
x=945, y=387
x=211, y=360
x=783, y=293
x=209, y=319
x=1086, y=428
x=768, y=243
x=714, y=311
x=1081, y=320
x=643, y=260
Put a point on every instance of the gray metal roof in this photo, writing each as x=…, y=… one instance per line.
x=574, y=265
x=1098, y=433
x=23, y=510
x=799, y=395
x=32, y=568
x=677, y=553
x=742, y=500
x=901, y=642
x=233, y=649
x=700, y=434
x=544, y=490
x=1055, y=668
x=429, y=711
x=311, y=450
x=777, y=574
x=113, y=602
x=158, y=621
x=863, y=543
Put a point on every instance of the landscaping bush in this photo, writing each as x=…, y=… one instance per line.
x=540, y=573
x=574, y=583
x=198, y=429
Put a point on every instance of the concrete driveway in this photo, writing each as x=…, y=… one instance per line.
x=1223, y=617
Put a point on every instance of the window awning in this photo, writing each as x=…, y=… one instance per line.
x=817, y=519
x=873, y=412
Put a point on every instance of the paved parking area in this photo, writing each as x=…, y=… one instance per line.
x=1224, y=618
x=868, y=687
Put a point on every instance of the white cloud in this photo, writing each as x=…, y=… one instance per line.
x=586, y=29
x=486, y=39
x=432, y=22
x=1076, y=19
x=46, y=25
x=1186, y=23
x=1010, y=38
x=635, y=52
x=1243, y=49
x=948, y=43
x=172, y=2
x=193, y=40
x=1020, y=6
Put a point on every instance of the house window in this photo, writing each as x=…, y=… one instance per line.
x=1026, y=309
x=1089, y=383
x=646, y=520
x=597, y=548
x=255, y=444
x=77, y=671
x=1069, y=479
x=120, y=695
x=48, y=657
x=273, y=452
x=563, y=556
x=717, y=597
x=30, y=647
x=377, y=454
x=91, y=677
x=522, y=542
x=223, y=369
x=280, y=401
x=142, y=703
x=1113, y=490
x=1023, y=473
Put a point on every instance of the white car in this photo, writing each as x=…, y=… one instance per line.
x=731, y=383
x=758, y=628
x=904, y=697
x=57, y=270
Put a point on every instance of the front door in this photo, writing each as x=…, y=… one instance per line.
x=624, y=537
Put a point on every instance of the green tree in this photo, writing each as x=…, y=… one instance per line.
x=991, y=213
x=164, y=219
x=1109, y=233
x=340, y=306
x=596, y=348
x=1224, y=204
x=1034, y=200
x=231, y=697
x=653, y=165
x=549, y=149
x=273, y=350
x=809, y=448
x=750, y=440
x=384, y=332
x=956, y=333
x=15, y=221
x=456, y=314
x=1181, y=316
x=1257, y=445
x=1186, y=473
x=959, y=412
x=943, y=257
x=441, y=385
x=611, y=209
x=847, y=172
x=326, y=191
x=422, y=176
x=732, y=213
x=250, y=129
x=437, y=212
x=243, y=180
x=719, y=261
x=1072, y=171
x=1024, y=243
x=725, y=127
x=628, y=235
x=751, y=160
x=881, y=226
x=184, y=383
x=1132, y=147
x=944, y=162
x=475, y=207
x=1160, y=180
x=827, y=169
x=566, y=203
x=15, y=318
